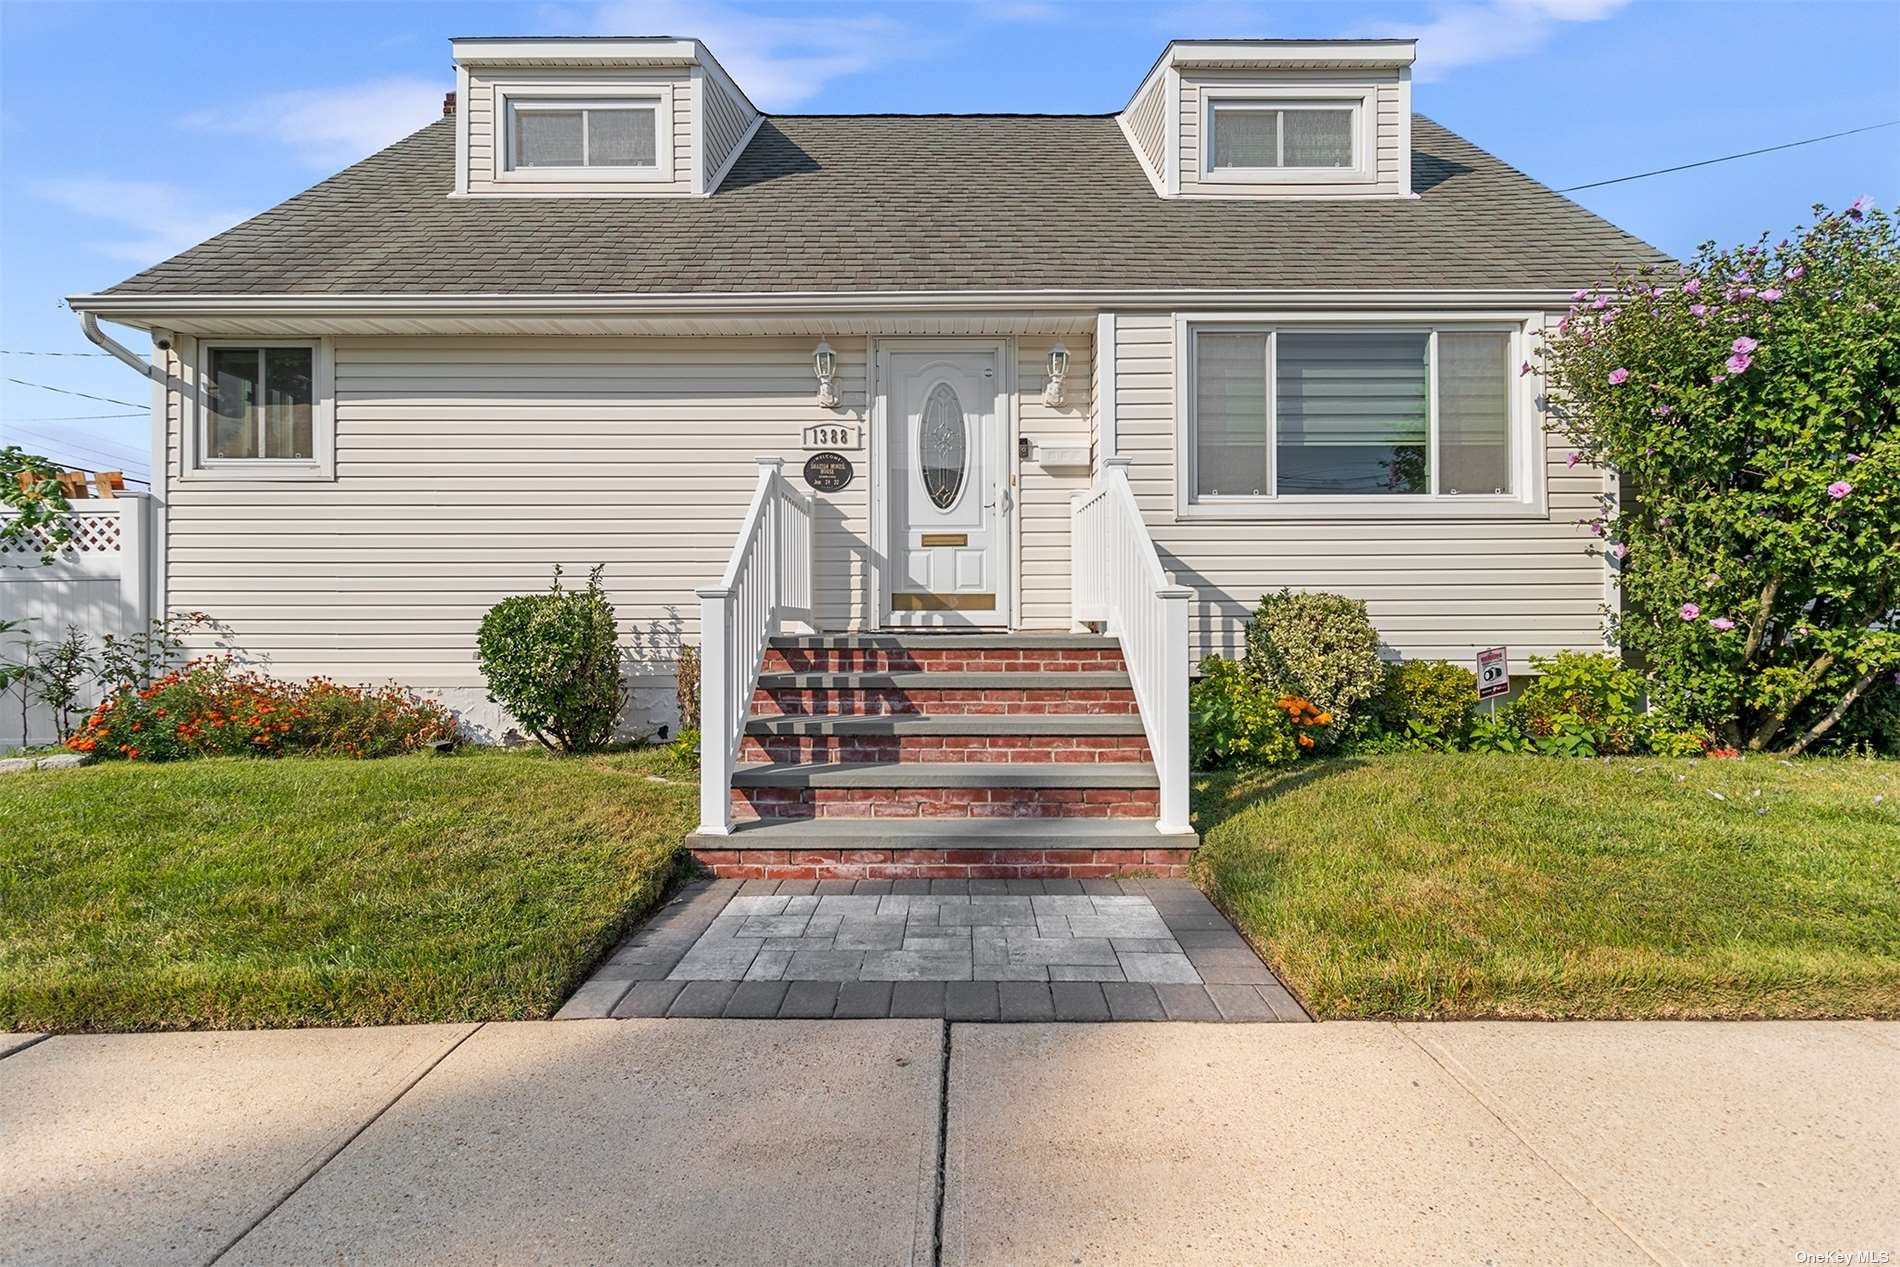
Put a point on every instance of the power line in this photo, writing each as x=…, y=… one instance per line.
x=18, y=352
x=143, y=413
x=1726, y=158
x=67, y=391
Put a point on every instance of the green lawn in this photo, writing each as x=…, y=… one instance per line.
x=232, y=893
x=1487, y=886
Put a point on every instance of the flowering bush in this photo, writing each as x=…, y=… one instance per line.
x=211, y=708
x=1748, y=403
x=1233, y=720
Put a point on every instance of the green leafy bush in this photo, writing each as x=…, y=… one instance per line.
x=1318, y=647
x=1236, y=720
x=1581, y=704
x=1429, y=701
x=1751, y=401
x=553, y=661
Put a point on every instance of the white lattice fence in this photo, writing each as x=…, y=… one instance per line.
x=100, y=582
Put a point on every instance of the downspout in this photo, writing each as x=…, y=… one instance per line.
x=90, y=324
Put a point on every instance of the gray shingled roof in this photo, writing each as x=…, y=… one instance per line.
x=881, y=203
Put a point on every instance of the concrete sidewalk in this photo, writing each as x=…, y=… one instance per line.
x=669, y=1141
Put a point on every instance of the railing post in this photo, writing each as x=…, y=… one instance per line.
x=771, y=472
x=1081, y=599
x=1171, y=760
x=715, y=712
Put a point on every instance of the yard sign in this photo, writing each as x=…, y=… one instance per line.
x=1494, y=673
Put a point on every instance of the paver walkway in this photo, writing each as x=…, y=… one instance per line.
x=1010, y=950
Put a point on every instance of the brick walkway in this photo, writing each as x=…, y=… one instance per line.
x=1002, y=950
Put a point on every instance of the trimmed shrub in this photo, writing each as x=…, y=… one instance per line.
x=1429, y=702
x=553, y=661
x=1319, y=647
x=211, y=708
x=1234, y=720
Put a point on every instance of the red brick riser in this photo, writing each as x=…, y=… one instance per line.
x=941, y=864
x=1014, y=748
x=949, y=802
x=942, y=660
x=882, y=701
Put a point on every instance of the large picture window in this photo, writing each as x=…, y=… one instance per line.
x=1374, y=417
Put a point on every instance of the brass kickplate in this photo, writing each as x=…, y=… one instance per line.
x=943, y=602
x=946, y=539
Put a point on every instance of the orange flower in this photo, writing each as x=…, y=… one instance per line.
x=1324, y=719
x=1306, y=741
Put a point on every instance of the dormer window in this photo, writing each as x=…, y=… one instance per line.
x=568, y=134
x=1277, y=136
x=556, y=134
x=1249, y=137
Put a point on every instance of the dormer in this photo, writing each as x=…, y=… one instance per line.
x=1276, y=119
x=588, y=117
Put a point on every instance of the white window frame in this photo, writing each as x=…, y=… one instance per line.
x=195, y=460
x=1361, y=101
x=1528, y=457
x=509, y=98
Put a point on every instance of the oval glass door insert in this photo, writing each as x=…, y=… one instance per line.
x=943, y=445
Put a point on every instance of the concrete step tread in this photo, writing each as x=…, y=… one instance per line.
x=1045, y=641
x=935, y=774
x=946, y=833
x=1089, y=679
x=1090, y=725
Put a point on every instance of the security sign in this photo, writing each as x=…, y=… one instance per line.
x=1494, y=673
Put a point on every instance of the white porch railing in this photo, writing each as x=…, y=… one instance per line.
x=1117, y=579
x=767, y=580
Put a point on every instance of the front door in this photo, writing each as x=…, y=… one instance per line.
x=946, y=433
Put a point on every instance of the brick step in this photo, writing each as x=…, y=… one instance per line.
x=928, y=746
x=875, y=658
x=947, y=849
x=935, y=694
x=946, y=790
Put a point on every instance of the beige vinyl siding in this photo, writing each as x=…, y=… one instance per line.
x=1043, y=519
x=483, y=139
x=1388, y=100
x=468, y=467
x=727, y=119
x=1435, y=588
x=1147, y=119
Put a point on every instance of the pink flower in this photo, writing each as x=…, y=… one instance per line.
x=1699, y=310
x=1860, y=206
x=1743, y=345
x=1661, y=411
x=1771, y=294
x=1524, y=369
x=1600, y=302
x=1839, y=489
x=1596, y=528
x=1796, y=273
x=1689, y=611
x=1723, y=623
x=1620, y=550
x=1853, y=457
x=1573, y=459
x=1692, y=287
x=1618, y=377
x=1580, y=296
x=1740, y=362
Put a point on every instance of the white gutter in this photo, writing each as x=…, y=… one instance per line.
x=132, y=307
x=90, y=324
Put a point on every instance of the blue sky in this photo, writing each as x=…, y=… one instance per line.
x=131, y=131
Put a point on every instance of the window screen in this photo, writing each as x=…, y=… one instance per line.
x=1474, y=413
x=587, y=136
x=1230, y=415
x=260, y=406
x=1352, y=415
x=1248, y=137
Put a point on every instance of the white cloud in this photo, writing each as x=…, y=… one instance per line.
x=1468, y=34
x=332, y=127
x=781, y=61
x=161, y=218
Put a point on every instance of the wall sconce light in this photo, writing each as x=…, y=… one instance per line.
x=1058, y=370
x=824, y=363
